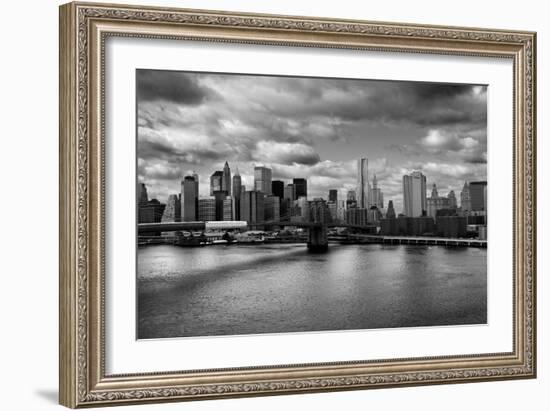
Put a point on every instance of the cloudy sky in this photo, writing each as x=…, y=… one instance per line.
x=308, y=127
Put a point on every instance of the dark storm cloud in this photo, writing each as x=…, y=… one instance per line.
x=196, y=121
x=170, y=86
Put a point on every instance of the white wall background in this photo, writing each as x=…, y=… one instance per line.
x=28, y=183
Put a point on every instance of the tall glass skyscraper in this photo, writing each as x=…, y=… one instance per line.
x=262, y=180
x=363, y=191
x=414, y=194
x=300, y=187
x=189, y=201
x=226, y=179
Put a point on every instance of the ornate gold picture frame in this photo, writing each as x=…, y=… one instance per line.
x=84, y=30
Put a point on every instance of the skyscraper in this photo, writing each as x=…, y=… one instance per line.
x=414, y=194
x=207, y=209
x=189, y=191
x=300, y=187
x=452, y=199
x=333, y=195
x=219, y=196
x=228, y=208
x=435, y=203
x=363, y=183
x=142, y=193
x=465, y=203
x=216, y=182
x=272, y=209
x=278, y=188
x=390, y=213
x=376, y=196
x=226, y=179
x=237, y=187
x=252, y=206
x=290, y=192
x=172, y=211
x=477, y=195
x=262, y=180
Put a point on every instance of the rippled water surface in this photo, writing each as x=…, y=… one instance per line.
x=227, y=290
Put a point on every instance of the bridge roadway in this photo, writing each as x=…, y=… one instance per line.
x=201, y=225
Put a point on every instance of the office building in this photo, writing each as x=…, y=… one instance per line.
x=414, y=194
x=272, y=206
x=451, y=226
x=477, y=195
x=318, y=211
x=142, y=194
x=262, y=180
x=289, y=193
x=236, y=193
x=376, y=196
x=252, y=207
x=333, y=195
x=216, y=182
x=228, y=209
x=189, y=198
x=333, y=209
x=150, y=212
x=363, y=186
x=452, y=199
x=357, y=216
x=278, y=188
x=435, y=202
x=226, y=179
x=300, y=187
x=219, y=197
x=390, y=212
x=172, y=211
x=465, y=204
x=207, y=209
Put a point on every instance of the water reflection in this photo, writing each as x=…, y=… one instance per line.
x=283, y=288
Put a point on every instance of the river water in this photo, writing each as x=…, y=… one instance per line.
x=229, y=290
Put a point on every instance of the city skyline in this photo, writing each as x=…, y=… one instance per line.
x=308, y=128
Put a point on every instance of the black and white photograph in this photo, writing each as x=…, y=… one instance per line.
x=277, y=204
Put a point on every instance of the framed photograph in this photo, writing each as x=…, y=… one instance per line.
x=259, y=204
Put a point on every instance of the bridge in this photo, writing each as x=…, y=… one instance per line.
x=317, y=231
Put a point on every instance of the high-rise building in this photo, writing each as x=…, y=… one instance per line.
x=207, y=209
x=333, y=195
x=351, y=200
x=151, y=211
x=262, y=180
x=376, y=196
x=219, y=196
x=435, y=203
x=226, y=179
x=318, y=211
x=477, y=195
x=228, y=208
x=414, y=194
x=142, y=194
x=216, y=182
x=465, y=203
x=289, y=193
x=252, y=206
x=236, y=192
x=278, y=188
x=172, y=211
x=189, y=202
x=390, y=213
x=272, y=209
x=300, y=187
x=363, y=190
x=452, y=199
